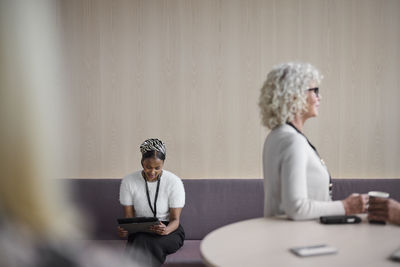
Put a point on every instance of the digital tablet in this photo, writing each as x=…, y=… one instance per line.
x=137, y=224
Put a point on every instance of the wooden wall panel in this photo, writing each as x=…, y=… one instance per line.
x=189, y=72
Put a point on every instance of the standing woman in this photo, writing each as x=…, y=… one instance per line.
x=153, y=192
x=296, y=180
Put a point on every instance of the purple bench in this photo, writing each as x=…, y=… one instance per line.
x=210, y=204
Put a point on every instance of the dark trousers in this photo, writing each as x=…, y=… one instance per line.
x=151, y=249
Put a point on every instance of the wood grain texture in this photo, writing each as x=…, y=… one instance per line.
x=189, y=73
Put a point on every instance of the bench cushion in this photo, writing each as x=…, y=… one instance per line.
x=210, y=203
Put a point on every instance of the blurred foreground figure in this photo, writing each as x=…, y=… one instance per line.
x=37, y=224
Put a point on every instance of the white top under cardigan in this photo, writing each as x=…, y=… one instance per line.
x=296, y=182
x=171, y=194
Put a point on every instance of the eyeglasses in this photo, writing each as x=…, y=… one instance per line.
x=315, y=90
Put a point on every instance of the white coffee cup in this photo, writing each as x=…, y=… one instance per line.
x=373, y=194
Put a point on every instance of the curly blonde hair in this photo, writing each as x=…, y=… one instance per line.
x=283, y=94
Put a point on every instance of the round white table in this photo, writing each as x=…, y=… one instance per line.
x=266, y=242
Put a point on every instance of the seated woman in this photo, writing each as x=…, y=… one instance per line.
x=296, y=180
x=153, y=192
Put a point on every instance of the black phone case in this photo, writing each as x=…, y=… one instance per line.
x=342, y=219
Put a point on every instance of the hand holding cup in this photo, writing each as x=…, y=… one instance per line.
x=383, y=209
x=377, y=207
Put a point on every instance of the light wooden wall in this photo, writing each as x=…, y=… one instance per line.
x=189, y=72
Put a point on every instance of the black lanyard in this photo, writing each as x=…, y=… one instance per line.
x=148, y=194
x=316, y=152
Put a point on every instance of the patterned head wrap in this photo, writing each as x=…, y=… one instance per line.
x=152, y=144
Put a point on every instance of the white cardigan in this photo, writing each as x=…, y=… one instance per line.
x=296, y=182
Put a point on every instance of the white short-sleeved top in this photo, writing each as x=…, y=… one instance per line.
x=171, y=194
x=296, y=182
